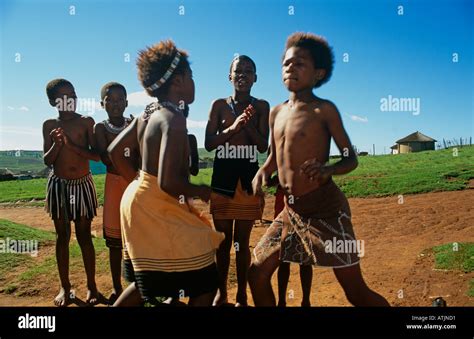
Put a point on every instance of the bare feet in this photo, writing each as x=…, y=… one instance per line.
x=92, y=296
x=62, y=299
x=220, y=299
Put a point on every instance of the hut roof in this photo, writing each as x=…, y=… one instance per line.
x=394, y=147
x=417, y=136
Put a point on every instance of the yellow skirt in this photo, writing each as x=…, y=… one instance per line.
x=160, y=233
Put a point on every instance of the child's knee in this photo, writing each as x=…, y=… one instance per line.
x=84, y=238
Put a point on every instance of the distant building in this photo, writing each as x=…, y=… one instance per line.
x=415, y=142
x=6, y=175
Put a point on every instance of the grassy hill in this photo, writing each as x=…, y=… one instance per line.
x=32, y=162
x=376, y=176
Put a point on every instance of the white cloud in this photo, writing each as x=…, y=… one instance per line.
x=20, y=130
x=21, y=108
x=140, y=99
x=357, y=118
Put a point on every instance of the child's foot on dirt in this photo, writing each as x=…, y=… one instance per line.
x=220, y=299
x=306, y=304
x=92, y=296
x=62, y=299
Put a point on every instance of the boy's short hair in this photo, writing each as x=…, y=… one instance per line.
x=154, y=61
x=318, y=47
x=243, y=57
x=109, y=85
x=53, y=86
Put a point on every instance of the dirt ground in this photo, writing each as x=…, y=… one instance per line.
x=394, y=235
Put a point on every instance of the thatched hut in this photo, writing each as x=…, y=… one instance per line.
x=415, y=142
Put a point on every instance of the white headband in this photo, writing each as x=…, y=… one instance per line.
x=167, y=74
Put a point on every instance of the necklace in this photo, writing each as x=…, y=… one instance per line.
x=232, y=105
x=172, y=106
x=154, y=106
x=111, y=128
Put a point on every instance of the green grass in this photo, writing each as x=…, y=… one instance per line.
x=470, y=292
x=33, y=268
x=376, y=176
x=456, y=257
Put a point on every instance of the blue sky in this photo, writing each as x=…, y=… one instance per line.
x=407, y=56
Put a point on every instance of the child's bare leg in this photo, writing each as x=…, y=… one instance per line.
x=306, y=277
x=84, y=238
x=115, y=260
x=283, y=277
x=130, y=297
x=242, y=231
x=202, y=300
x=223, y=259
x=260, y=280
x=357, y=291
x=63, y=235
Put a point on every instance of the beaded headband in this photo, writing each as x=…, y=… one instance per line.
x=167, y=74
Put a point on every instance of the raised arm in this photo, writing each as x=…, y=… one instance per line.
x=270, y=166
x=85, y=152
x=52, y=143
x=348, y=161
x=101, y=144
x=213, y=137
x=124, y=152
x=259, y=135
x=193, y=150
x=173, y=167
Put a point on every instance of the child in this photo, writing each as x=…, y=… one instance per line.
x=170, y=246
x=114, y=101
x=71, y=193
x=239, y=120
x=316, y=212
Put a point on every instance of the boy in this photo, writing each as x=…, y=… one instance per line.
x=316, y=211
x=170, y=246
x=114, y=101
x=71, y=195
x=237, y=121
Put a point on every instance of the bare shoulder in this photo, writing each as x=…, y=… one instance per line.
x=276, y=109
x=99, y=127
x=327, y=108
x=166, y=119
x=217, y=105
x=50, y=123
x=261, y=104
x=88, y=120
